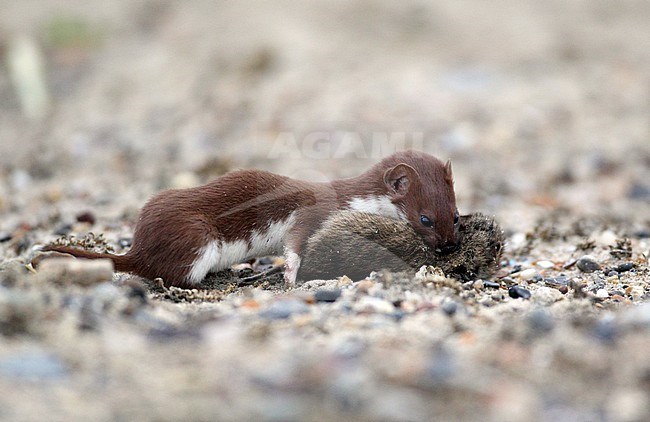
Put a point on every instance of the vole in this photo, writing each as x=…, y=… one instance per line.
x=355, y=244
x=183, y=234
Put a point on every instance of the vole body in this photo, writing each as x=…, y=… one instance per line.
x=355, y=244
x=183, y=234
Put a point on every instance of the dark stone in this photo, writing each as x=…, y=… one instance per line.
x=5, y=237
x=491, y=284
x=556, y=282
x=587, y=264
x=450, y=308
x=86, y=217
x=327, y=295
x=627, y=266
x=516, y=292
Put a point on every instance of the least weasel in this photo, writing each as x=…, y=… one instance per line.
x=183, y=234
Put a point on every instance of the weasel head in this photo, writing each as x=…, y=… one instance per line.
x=423, y=187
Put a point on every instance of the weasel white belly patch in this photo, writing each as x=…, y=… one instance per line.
x=376, y=204
x=217, y=254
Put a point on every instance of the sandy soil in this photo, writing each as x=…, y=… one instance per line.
x=543, y=108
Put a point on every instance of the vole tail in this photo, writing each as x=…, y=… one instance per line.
x=122, y=263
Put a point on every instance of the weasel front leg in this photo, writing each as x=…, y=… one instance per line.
x=291, y=267
x=308, y=220
x=294, y=246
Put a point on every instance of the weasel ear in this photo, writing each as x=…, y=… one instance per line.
x=448, y=175
x=399, y=178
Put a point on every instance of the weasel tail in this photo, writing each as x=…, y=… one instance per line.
x=122, y=263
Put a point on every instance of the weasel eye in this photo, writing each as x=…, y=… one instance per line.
x=426, y=221
x=456, y=218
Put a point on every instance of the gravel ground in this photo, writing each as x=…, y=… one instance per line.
x=543, y=109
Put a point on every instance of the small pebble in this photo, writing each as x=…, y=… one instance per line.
x=185, y=180
x=556, y=281
x=125, y=242
x=516, y=292
x=527, y=274
x=5, y=237
x=344, y=281
x=491, y=284
x=624, y=267
x=588, y=264
x=545, y=264
x=508, y=280
x=364, y=285
x=449, y=307
x=607, y=237
x=546, y=296
x=86, y=217
x=370, y=304
x=327, y=295
x=602, y=293
x=569, y=264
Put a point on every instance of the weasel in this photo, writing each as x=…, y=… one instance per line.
x=183, y=234
x=355, y=244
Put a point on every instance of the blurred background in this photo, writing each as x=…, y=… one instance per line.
x=542, y=106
